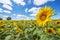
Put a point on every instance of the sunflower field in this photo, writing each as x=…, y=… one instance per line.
x=43, y=28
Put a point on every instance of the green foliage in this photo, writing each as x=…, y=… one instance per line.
x=31, y=31
x=1, y=19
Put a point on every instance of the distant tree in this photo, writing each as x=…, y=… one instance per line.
x=8, y=18
x=1, y=19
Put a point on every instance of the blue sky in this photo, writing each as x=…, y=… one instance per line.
x=26, y=9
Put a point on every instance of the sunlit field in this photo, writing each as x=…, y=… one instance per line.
x=29, y=30
x=29, y=20
x=43, y=27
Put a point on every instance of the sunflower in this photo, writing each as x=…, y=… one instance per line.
x=58, y=30
x=58, y=22
x=2, y=21
x=1, y=29
x=49, y=30
x=19, y=30
x=43, y=15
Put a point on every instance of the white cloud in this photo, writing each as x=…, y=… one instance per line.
x=25, y=18
x=6, y=11
x=22, y=17
x=20, y=2
x=19, y=15
x=14, y=14
x=41, y=2
x=33, y=10
x=26, y=10
x=0, y=15
x=34, y=14
x=1, y=9
x=7, y=7
x=29, y=18
x=5, y=16
x=6, y=2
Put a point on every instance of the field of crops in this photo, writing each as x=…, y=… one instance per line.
x=29, y=30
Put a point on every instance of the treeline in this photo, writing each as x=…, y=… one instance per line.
x=8, y=18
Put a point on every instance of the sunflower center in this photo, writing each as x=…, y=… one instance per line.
x=43, y=17
x=49, y=31
x=58, y=22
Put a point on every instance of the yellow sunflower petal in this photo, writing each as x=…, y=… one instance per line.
x=57, y=23
x=50, y=30
x=44, y=15
x=58, y=30
x=19, y=30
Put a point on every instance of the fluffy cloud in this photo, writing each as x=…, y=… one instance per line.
x=3, y=16
x=7, y=7
x=34, y=14
x=1, y=9
x=6, y=11
x=19, y=15
x=25, y=18
x=26, y=10
x=14, y=14
x=6, y=2
x=33, y=10
x=22, y=17
x=41, y=2
x=0, y=15
x=21, y=2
